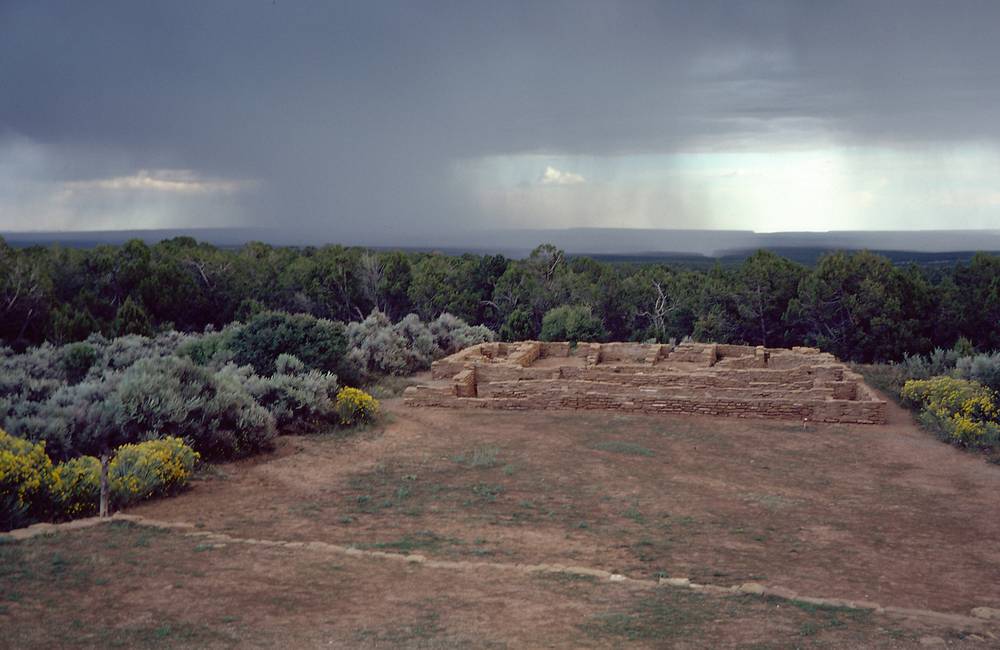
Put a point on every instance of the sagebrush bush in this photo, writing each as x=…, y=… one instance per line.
x=356, y=407
x=121, y=352
x=937, y=363
x=380, y=347
x=176, y=397
x=452, y=334
x=890, y=377
x=298, y=399
x=83, y=398
x=210, y=349
x=984, y=368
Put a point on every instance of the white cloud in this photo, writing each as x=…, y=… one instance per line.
x=38, y=192
x=553, y=176
x=181, y=181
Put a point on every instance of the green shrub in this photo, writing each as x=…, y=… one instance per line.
x=572, y=323
x=356, y=407
x=248, y=308
x=70, y=323
x=77, y=359
x=519, y=326
x=131, y=318
x=206, y=349
x=320, y=344
x=961, y=430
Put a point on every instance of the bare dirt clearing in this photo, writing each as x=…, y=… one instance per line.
x=121, y=585
x=884, y=514
x=877, y=513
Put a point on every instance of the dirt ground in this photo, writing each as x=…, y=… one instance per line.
x=875, y=513
x=122, y=585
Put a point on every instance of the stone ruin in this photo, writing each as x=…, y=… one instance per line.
x=697, y=378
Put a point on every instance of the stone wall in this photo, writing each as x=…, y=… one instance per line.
x=550, y=394
x=721, y=380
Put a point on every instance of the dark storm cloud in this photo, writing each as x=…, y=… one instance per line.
x=352, y=116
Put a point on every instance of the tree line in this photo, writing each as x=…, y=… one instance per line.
x=858, y=306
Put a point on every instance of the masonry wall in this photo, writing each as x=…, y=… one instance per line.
x=553, y=394
x=710, y=379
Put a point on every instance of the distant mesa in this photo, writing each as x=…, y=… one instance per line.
x=625, y=244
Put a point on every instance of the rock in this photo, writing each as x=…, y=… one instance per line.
x=676, y=582
x=988, y=613
x=781, y=592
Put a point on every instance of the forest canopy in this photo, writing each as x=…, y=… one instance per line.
x=858, y=306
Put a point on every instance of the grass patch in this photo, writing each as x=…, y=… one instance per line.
x=821, y=617
x=633, y=513
x=478, y=458
x=167, y=632
x=665, y=615
x=485, y=493
x=622, y=447
x=426, y=627
x=562, y=577
x=421, y=540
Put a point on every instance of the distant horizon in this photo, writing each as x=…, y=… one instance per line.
x=513, y=229
x=577, y=241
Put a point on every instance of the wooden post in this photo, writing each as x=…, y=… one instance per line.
x=105, y=492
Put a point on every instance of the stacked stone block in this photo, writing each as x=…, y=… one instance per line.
x=708, y=379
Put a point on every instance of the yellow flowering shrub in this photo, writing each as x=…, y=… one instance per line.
x=962, y=410
x=356, y=407
x=77, y=491
x=31, y=489
x=26, y=478
x=151, y=468
x=950, y=395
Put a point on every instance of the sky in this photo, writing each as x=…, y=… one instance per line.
x=390, y=122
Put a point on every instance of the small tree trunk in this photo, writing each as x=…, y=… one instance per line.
x=105, y=492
